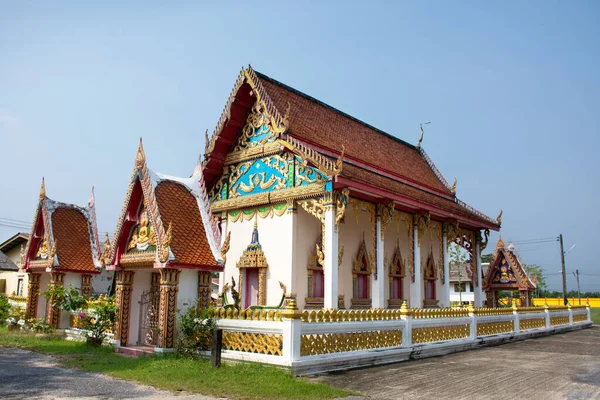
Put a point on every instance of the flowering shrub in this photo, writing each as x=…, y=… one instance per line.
x=195, y=331
x=68, y=299
x=38, y=325
x=100, y=320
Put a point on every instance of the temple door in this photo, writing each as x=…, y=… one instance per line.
x=251, y=287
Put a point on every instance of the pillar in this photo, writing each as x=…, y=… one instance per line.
x=477, y=292
x=169, y=287
x=378, y=284
x=291, y=330
x=416, y=287
x=53, y=311
x=445, y=295
x=33, y=293
x=331, y=258
x=204, y=289
x=86, y=285
x=124, y=287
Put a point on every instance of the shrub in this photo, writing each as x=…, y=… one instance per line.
x=195, y=331
x=100, y=320
x=38, y=325
x=4, y=307
x=68, y=299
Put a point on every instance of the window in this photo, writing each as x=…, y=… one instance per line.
x=471, y=288
x=396, y=288
x=459, y=287
x=20, y=287
x=318, y=282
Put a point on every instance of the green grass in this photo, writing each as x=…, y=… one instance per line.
x=169, y=372
x=595, y=315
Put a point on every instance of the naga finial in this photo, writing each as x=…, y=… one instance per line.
x=140, y=158
x=422, y=133
x=499, y=217
x=453, y=189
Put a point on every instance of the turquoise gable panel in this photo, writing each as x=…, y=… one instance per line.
x=261, y=176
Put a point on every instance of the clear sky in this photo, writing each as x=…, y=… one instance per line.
x=512, y=89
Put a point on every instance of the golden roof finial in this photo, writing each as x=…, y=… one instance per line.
x=453, y=189
x=499, y=217
x=140, y=158
x=42, y=189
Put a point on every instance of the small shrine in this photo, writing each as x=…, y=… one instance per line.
x=507, y=272
x=63, y=250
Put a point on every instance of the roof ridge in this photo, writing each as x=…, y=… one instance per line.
x=342, y=113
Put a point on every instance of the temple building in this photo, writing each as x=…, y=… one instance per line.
x=507, y=273
x=348, y=216
x=165, y=248
x=62, y=250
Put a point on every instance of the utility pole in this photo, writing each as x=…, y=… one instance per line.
x=576, y=273
x=564, y=270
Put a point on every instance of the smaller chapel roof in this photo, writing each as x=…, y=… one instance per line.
x=70, y=232
x=507, y=255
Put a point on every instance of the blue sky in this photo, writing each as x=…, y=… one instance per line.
x=512, y=90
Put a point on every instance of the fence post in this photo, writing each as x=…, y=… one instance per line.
x=471, y=310
x=292, y=325
x=570, y=314
x=217, y=345
x=517, y=319
x=587, y=307
x=547, y=311
x=406, y=316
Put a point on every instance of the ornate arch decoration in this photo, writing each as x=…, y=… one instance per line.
x=429, y=280
x=361, y=278
x=314, y=271
x=254, y=257
x=397, y=273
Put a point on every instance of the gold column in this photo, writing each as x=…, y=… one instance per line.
x=204, y=289
x=169, y=286
x=86, y=285
x=262, y=286
x=53, y=317
x=123, y=301
x=33, y=294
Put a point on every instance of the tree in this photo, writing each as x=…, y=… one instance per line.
x=535, y=273
x=487, y=258
x=457, y=256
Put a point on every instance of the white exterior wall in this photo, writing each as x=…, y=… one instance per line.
x=141, y=282
x=467, y=295
x=398, y=233
x=44, y=282
x=188, y=289
x=350, y=236
x=276, y=237
x=307, y=232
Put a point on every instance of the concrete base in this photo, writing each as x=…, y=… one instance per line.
x=366, y=358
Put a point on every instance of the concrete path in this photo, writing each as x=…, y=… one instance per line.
x=565, y=366
x=27, y=375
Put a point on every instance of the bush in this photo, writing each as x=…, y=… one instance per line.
x=38, y=325
x=195, y=331
x=100, y=320
x=68, y=299
x=4, y=308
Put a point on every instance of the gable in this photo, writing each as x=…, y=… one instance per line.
x=504, y=273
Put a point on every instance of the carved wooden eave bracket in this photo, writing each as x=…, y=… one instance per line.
x=308, y=155
x=386, y=213
x=225, y=248
x=317, y=207
x=106, y=252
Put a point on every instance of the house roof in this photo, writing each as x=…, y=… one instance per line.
x=178, y=209
x=372, y=159
x=466, y=272
x=71, y=234
x=6, y=264
x=14, y=241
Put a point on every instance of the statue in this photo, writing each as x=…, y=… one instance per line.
x=43, y=250
x=144, y=236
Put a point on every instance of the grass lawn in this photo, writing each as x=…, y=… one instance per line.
x=169, y=372
x=595, y=315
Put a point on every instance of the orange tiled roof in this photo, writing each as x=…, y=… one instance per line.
x=71, y=233
x=322, y=125
x=179, y=207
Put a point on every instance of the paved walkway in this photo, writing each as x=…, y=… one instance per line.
x=565, y=366
x=27, y=375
